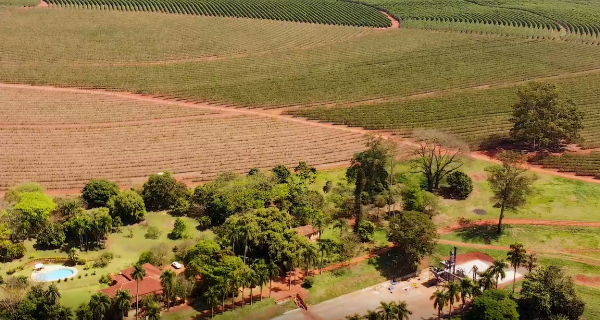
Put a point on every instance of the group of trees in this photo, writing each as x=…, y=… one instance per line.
x=386, y=311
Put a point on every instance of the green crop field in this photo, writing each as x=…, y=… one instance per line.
x=587, y=165
x=313, y=11
x=570, y=16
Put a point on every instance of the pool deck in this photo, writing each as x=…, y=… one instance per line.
x=51, y=268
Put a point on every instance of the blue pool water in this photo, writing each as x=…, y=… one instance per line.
x=55, y=275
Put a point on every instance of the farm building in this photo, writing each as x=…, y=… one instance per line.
x=309, y=231
x=123, y=281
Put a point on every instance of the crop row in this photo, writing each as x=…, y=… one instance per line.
x=312, y=11
x=66, y=158
x=580, y=164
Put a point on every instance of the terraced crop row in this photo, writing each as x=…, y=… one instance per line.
x=196, y=149
x=312, y=11
x=580, y=164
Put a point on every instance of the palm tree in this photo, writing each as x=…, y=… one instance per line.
x=99, y=305
x=211, y=296
x=122, y=302
x=262, y=275
x=497, y=269
x=273, y=272
x=342, y=224
x=531, y=261
x=153, y=311
x=234, y=285
x=138, y=273
x=516, y=256
x=52, y=294
x=325, y=246
x=402, y=311
x=248, y=231
x=167, y=281
x=371, y=315
x=234, y=235
x=310, y=255
x=252, y=282
x=291, y=265
x=466, y=290
x=388, y=311
x=440, y=299
x=453, y=291
x=356, y=316
x=487, y=279
x=83, y=312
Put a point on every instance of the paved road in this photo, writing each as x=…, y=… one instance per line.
x=369, y=299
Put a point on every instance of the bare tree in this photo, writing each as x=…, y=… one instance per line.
x=438, y=155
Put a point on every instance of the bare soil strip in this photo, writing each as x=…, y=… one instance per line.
x=532, y=222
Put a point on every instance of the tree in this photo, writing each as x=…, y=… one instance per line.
x=354, y=317
x=51, y=235
x=211, y=297
x=402, y=312
x=509, y=183
x=261, y=270
x=497, y=269
x=253, y=171
x=543, y=117
x=453, y=292
x=366, y=230
x=493, y=305
x=371, y=315
x=36, y=209
x=487, y=279
x=52, y=294
x=547, y=292
x=99, y=305
x=162, y=191
x=137, y=275
x=516, y=256
x=412, y=196
x=273, y=271
x=309, y=255
x=167, y=281
x=306, y=172
x=97, y=192
x=281, y=173
x=128, y=205
x=325, y=246
x=328, y=186
x=179, y=229
x=467, y=288
x=13, y=195
x=461, y=184
x=73, y=255
x=414, y=235
x=440, y=299
x=371, y=164
x=531, y=262
x=342, y=224
x=153, y=311
x=388, y=311
x=83, y=312
x=437, y=156
x=122, y=302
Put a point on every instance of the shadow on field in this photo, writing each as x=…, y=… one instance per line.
x=392, y=264
x=483, y=234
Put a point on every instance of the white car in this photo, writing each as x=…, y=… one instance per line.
x=176, y=265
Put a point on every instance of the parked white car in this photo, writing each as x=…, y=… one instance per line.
x=176, y=265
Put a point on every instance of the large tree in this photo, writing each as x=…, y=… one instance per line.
x=437, y=156
x=97, y=192
x=138, y=273
x=493, y=305
x=544, y=118
x=414, y=234
x=163, y=192
x=510, y=183
x=548, y=292
x=516, y=256
x=36, y=209
x=128, y=206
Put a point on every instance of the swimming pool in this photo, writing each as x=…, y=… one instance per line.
x=55, y=274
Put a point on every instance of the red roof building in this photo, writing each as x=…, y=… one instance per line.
x=308, y=231
x=149, y=285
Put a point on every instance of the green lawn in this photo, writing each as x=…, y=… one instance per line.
x=262, y=310
x=591, y=296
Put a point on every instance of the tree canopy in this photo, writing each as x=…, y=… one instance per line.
x=544, y=118
x=414, y=234
x=97, y=192
x=128, y=206
x=36, y=208
x=493, y=305
x=163, y=192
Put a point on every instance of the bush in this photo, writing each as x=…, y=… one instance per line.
x=308, y=282
x=179, y=229
x=105, y=279
x=204, y=222
x=81, y=262
x=13, y=195
x=1, y=280
x=10, y=271
x=180, y=207
x=97, y=192
x=128, y=206
x=158, y=255
x=152, y=233
x=412, y=196
x=79, y=277
x=103, y=260
x=328, y=186
x=52, y=235
x=366, y=230
x=461, y=185
x=281, y=173
x=340, y=272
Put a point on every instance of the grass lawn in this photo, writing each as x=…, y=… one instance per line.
x=591, y=296
x=538, y=238
x=262, y=310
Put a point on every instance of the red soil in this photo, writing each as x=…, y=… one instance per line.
x=492, y=222
x=587, y=281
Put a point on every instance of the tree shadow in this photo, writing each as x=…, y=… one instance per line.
x=484, y=234
x=393, y=265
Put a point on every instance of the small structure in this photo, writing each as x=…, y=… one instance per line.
x=150, y=285
x=308, y=231
x=38, y=266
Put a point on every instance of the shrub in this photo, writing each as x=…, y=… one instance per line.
x=179, y=207
x=461, y=184
x=103, y=260
x=66, y=279
x=203, y=222
x=52, y=235
x=13, y=195
x=10, y=271
x=281, y=173
x=1, y=280
x=86, y=274
x=97, y=192
x=58, y=281
x=308, y=282
x=152, y=233
x=340, y=272
x=81, y=261
x=105, y=279
x=179, y=229
x=79, y=277
x=412, y=196
x=128, y=206
x=94, y=273
x=328, y=186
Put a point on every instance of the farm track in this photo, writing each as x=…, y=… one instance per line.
x=269, y=113
x=531, y=222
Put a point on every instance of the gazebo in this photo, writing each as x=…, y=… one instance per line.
x=38, y=266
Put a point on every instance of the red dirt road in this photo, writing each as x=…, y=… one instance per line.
x=493, y=222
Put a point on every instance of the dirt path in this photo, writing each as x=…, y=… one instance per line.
x=532, y=222
x=395, y=22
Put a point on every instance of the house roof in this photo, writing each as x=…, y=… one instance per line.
x=306, y=230
x=124, y=281
x=471, y=256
